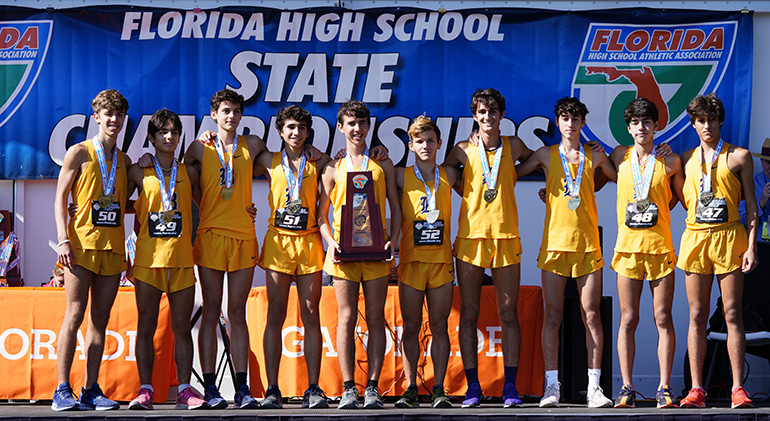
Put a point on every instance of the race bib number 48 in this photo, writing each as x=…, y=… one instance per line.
x=636, y=218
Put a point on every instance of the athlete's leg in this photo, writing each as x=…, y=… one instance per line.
x=181, y=305
x=76, y=286
x=375, y=294
x=553, y=298
x=347, y=312
x=411, y=313
x=629, y=293
x=439, y=306
x=238, y=287
x=698, y=297
x=212, y=283
x=309, y=295
x=103, y=292
x=662, y=301
x=147, y=302
x=590, y=290
x=469, y=279
x=277, y=285
x=731, y=287
x=506, y=281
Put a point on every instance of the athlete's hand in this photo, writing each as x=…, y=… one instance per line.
x=252, y=211
x=765, y=196
x=595, y=146
x=663, y=149
x=312, y=153
x=541, y=194
x=146, y=161
x=341, y=154
x=72, y=209
x=749, y=261
x=379, y=153
x=474, y=138
x=334, y=249
x=207, y=137
x=65, y=255
x=389, y=247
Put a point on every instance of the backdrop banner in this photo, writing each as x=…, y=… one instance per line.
x=402, y=63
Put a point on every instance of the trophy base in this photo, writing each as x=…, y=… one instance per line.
x=363, y=256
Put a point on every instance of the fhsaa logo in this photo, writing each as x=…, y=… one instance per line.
x=667, y=64
x=23, y=46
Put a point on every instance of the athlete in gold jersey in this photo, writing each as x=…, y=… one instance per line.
x=293, y=249
x=488, y=238
x=649, y=185
x=715, y=243
x=163, y=262
x=425, y=268
x=570, y=247
x=91, y=247
x=353, y=121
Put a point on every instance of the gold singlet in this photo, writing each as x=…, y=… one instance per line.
x=413, y=207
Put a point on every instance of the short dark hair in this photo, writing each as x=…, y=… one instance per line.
x=706, y=106
x=293, y=112
x=570, y=105
x=160, y=119
x=641, y=108
x=487, y=97
x=353, y=108
x=226, y=95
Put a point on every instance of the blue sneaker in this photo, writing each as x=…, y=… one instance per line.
x=93, y=399
x=243, y=399
x=215, y=400
x=511, y=396
x=64, y=399
x=473, y=396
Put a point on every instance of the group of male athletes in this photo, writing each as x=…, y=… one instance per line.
x=217, y=170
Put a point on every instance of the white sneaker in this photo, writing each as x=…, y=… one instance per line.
x=596, y=399
x=551, y=396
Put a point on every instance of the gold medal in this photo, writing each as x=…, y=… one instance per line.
x=642, y=205
x=227, y=193
x=490, y=194
x=105, y=201
x=706, y=197
x=573, y=203
x=432, y=216
x=294, y=206
x=168, y=216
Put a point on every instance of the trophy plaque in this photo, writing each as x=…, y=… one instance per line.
x=361, y=233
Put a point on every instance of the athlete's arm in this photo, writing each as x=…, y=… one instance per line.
x=616, y=157
x=606, y=166
x=194, y=156
x=457, y=156
x=745, y=166
x=135, y=175
x=328, y=179
x=452, y=175
x=263, y=163
x=395, y=205
x=74, y=159
x=195, y=183
x=519, y=151
x=675, y=173
x=537, y=161
x=400, y=181
x=256, y=146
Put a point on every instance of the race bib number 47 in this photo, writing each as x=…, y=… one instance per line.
x=713, y=213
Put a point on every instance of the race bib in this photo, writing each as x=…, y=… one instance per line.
x=108, y=216
x=427, y=234
x=292, y=221
x=713, y=213
x=636, y=218
x=765, y=235
x=160, y=229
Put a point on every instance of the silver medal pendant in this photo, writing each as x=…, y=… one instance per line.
x=432, y=216
x=573, y=203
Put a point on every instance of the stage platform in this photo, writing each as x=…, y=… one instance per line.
x=645, y=411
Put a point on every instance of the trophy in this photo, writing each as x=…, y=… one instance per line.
x=361, y=233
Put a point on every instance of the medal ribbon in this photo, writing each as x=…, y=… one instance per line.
x=229, y=167
x=108, y=183
x=295, y=185
x=705, y=182
x=430, y=197
x=573, y=185
x=364, y=161
x=131, y=247
x=8, y=245
x=166, y=196
x=490, y=177
x=642, y=186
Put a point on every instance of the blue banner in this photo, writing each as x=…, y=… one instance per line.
x=402, y=64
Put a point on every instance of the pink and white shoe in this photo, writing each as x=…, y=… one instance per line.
x=190, y=399
x=143, y=400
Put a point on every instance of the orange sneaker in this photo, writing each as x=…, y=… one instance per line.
x=696, y=398
x=741, y=398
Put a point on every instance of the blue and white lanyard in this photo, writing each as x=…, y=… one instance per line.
x=430, y=198
x=642, y=186
x=364, y=161
x=166, y=195
x=295, y=184
x=490, y=177
x=108, y=183
x=573, y=185
x=705, y=178
x=229, y=167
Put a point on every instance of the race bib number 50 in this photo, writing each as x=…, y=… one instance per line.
x=105, y=216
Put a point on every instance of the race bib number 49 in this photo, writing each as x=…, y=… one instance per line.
x=158, y=228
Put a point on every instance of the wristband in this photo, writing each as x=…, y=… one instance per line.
x=62, y=242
